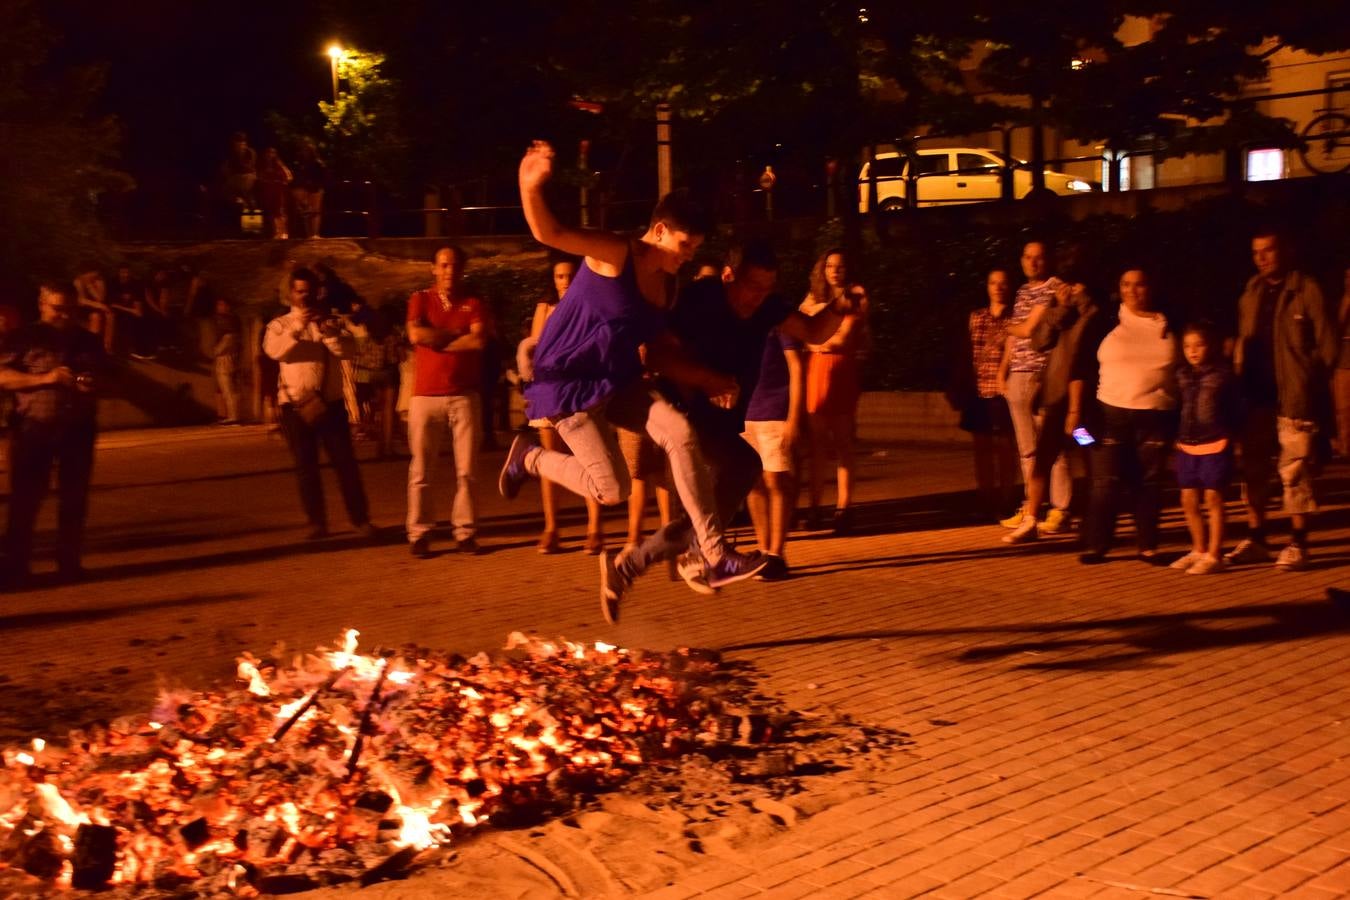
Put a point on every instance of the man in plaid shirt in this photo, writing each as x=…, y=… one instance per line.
x=51, y=367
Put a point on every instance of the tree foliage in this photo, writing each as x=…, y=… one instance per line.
x=58, y=158
x=363, y=133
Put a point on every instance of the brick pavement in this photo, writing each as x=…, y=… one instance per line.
x=1077, y=731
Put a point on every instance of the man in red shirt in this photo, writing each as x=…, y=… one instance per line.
x=446, y=330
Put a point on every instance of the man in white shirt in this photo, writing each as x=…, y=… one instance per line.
x=309, y=345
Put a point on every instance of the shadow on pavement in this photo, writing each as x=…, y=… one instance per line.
x=1140, y=639
x=101, y=613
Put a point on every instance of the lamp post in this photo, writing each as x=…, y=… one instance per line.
x=335, y=52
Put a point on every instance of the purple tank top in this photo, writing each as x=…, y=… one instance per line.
x=589, y=346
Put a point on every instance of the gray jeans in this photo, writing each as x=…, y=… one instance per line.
x=1022, y=407
x=428, y=420
x=596, y=469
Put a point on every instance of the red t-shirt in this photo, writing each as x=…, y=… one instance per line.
x=439, y=373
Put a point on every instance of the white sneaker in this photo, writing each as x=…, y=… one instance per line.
x=1292, y=558
x=694, y=572
x=1184, y=564
x=1023, y=533
x=1205, y=564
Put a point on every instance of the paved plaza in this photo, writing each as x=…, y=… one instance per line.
x=1115, y=731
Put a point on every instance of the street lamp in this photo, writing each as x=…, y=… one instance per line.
x=335, y=52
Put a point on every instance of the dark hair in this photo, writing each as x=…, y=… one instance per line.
x=752, y=252
x=64, y=289
x=680, y=212
x=1207, y=330
x=1271, y=230
x=305, y=274
x=555, y=258
x=456, y=252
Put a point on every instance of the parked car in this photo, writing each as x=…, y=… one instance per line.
x=946, y=175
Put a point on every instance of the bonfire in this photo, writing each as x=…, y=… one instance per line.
x=334, y=765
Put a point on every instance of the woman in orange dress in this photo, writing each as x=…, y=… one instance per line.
x=833, y=385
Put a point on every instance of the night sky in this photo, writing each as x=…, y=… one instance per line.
x=180, y=76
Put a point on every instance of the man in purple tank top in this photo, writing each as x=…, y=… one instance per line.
x=588, y=367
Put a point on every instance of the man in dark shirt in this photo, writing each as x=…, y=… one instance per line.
x=1285, y=350
x=719, y=327
x=51, y=367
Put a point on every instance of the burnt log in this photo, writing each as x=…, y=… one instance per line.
x=95, y=856
x=41, y=855
x=195, y=833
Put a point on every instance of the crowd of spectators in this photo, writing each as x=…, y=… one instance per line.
x=1117, y=388
x=1060, y=375
x=288, y=197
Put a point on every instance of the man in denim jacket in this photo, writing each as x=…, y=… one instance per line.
x=1285, y=349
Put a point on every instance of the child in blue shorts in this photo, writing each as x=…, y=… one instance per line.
x=1204, y=454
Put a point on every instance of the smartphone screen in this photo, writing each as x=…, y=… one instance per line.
x=1081, y=435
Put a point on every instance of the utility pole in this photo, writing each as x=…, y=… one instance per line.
x=583, y=163
x=663, y=173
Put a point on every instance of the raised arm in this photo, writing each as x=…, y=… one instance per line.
x=603, y=247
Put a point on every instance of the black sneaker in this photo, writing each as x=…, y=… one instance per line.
x=468, y=546
x=843, y=522
x=775, y=570
x=613, y=585
x=420, y=548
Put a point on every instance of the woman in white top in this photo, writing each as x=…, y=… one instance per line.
x=1135, y=419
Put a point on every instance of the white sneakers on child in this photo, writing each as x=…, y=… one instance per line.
x=1194, y=563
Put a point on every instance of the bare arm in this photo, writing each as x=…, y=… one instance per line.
x=796, y=393
x=605, y=248
x=1024, y=328
x=14, y=380
x=472, y=340
x=665, y=356
x=429, y=336
x=1075, y=414
x=540, y=317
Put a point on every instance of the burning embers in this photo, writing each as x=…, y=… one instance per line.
x=341, y=765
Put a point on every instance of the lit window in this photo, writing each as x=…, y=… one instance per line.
x=1265, y=165
x=1124, y=170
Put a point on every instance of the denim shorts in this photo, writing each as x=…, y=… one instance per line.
x=1213, y=471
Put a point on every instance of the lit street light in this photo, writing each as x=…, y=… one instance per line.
x=335, y=52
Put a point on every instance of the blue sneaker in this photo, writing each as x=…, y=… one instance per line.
x=734, y=567
x=513, y=473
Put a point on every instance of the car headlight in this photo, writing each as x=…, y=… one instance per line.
x=1078, y=184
